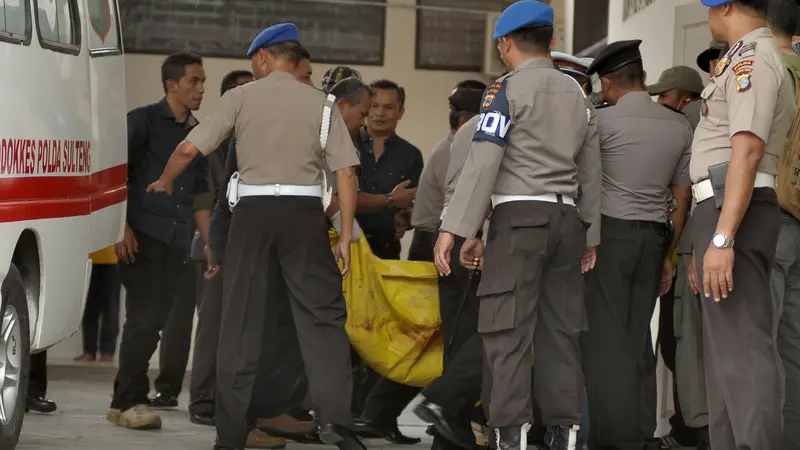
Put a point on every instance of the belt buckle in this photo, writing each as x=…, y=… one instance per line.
x=277, y=190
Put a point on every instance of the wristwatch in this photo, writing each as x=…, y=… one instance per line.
x=389, y=201
x=721, y=241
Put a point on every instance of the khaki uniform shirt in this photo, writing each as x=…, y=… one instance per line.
x=645, y=148
x=537, y=135
x=459, y=150
x=277, y=121
x=429, y=201
x=752, y=93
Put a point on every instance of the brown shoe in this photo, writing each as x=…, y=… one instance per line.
x=106, y=359
x=258, y=439
x=86, y=357
x=285, y=424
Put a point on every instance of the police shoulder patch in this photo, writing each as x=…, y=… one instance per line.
x=748, y=50
x=494, y=123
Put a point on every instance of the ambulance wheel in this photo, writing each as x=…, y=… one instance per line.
x=15, y=361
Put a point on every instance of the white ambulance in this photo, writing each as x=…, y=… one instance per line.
x=63, y=172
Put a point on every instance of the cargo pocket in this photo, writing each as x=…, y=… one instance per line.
x=529, y=233
x=498, y=309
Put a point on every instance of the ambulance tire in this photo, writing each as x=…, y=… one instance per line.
x=16, y=357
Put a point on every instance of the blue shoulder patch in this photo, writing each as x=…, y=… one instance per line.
x=495, y=120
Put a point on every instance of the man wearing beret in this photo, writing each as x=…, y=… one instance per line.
x=523, y=164
x=707, y=59
x=645, y=151
x=277, y=234
x=748, y=108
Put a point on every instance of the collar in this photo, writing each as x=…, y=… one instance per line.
x=635, y=97
x=364, y=137
x=191, y=121
x=758, y=33
x=281, y=75
x=537, y=63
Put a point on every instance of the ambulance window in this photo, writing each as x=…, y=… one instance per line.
x=15, y=21
x=58, y=25
x=104, y=37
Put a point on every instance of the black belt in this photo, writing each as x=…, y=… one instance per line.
x=640, y=224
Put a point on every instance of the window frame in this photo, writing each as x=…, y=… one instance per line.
x=25, y=40
x=69, y=49
x=109, y=51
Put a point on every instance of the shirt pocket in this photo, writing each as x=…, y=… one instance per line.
x=713, y=105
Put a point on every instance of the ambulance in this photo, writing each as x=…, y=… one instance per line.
x=63, y=175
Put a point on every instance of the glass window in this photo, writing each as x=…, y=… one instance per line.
x=13, y=18
x=56, y=19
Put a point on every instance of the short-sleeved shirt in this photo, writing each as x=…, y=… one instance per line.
x=276, y=123
x=459, y=150
x=645, y=149
x=751, y=93
x=153, y=135
x=429, y=201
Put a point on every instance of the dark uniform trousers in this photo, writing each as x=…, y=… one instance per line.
x=280, y=237
x=176, y=337
x=37, y=380
x=742, y=379
x=152, y=283
x=531, y=296
x=619, y=360
x=422, y=245
x=204, y=355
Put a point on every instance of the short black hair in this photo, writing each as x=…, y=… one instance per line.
x=304, y=54
x=535, y=39
x=471, y=84
x=229, y=80
x=350, y=89
x=174, y=66
x=782, y=17
x=629, y=76
x=288, y=51
x=390, y=85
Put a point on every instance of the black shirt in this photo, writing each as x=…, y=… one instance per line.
x=222, y=216
x=153, y=135
x=400, y=161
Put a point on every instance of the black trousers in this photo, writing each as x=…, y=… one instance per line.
x=37, y=380
x=531, y=295
x=204, y=355
x=742, y=381
x=100, y=325
x=619, y=361
x=280, y=238
x=152, y=283
x=422, y=245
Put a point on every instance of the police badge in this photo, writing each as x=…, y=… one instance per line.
x=725, y=61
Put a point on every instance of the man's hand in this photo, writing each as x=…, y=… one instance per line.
x=160, y=186
x=402, y=223
x=588, y=259
x=343, y=254
x=666, y=277
x=693, y=276
x=127, y=249
x=471, y=254
x=441, y=252
x=403, y=197
x=718, y=272
x=212, y=268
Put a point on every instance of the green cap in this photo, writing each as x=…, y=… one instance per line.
x=679, y=77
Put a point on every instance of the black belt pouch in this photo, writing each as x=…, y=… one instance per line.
x=717, y=175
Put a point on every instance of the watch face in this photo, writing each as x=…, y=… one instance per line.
x=718, y=241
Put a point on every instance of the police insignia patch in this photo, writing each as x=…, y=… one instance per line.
x=748, y=50
x=745, y=66
x=491, y=92
x=722, y=64
x=743, y=82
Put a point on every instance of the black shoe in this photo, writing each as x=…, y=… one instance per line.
x=341, y=437
x=562, y=437
x=202, y=419
x=40, y=405
x=364, y=429
x=513, y=438
x=161, y=401
x=390, y=432
x=455, y=431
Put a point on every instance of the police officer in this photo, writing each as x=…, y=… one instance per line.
x=531, y=290
x=278, y=229
x=747, y=110
x=645, y=149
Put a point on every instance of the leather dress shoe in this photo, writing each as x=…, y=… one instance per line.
x=40, y=405
x=162, y=401
x=364, y=429
x=202, y=419
x=455, y=431
x=341, y=437
x=391, y=432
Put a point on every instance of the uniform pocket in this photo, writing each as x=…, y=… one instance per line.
x=529, y=233
x=498, y=308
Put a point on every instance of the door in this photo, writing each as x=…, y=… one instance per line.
x=692, y=35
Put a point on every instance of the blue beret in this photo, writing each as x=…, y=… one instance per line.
x=522, y=14
x=275, y=34
x=713, y=3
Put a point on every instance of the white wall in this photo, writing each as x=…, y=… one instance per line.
x=654, y=25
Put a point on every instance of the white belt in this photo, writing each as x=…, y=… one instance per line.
x=498, y=199
x=703, y=190
x=237, y=190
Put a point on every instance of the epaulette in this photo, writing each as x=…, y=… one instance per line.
x=673, y=109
